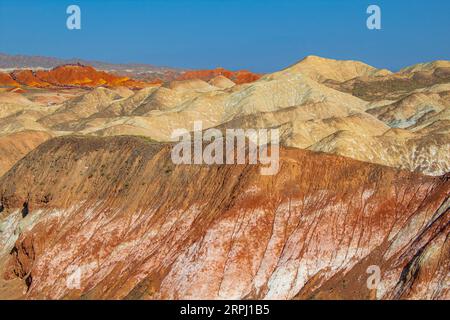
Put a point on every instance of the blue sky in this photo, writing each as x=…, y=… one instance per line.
x=262, y=36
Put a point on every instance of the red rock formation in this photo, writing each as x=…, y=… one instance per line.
x=133, y=225
x=70, y=76
x=7, y=80
x=85, y=76
x=28, y=78
x=238, y=77
x=244, y=76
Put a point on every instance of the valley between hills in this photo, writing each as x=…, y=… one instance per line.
x=87, y=183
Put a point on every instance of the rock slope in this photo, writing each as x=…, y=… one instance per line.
x=341, y=107
x=71, y=75
x=239, y=77
x=91, y=205
x=117, y=213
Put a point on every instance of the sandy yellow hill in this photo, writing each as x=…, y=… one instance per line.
x=428, y=66
x=321, y=69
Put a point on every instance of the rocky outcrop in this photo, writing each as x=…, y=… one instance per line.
x=221, y=82
x=28, y=78
x=114, y=218
x=346, y=108
x=78, y=75
x=238, y=77
x=71, y=75
x=7, y=80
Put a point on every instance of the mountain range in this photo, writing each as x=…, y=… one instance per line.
x=87, y=183
x=136, y=70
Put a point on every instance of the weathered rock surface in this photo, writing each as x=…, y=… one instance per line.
x=239, y=77
x=7, y=80
x=133, y=225
x=342, y=107
x=70, y=75
x=89, y=217
x=323, y=69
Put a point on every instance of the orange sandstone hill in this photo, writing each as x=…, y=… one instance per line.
x=75, y=75
x=238, y=77
x=7, y=80
x=28, y=78
x=80, y=75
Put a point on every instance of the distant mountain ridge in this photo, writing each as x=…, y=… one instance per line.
x=68, y=76
x=135, y=70
x=146, y=72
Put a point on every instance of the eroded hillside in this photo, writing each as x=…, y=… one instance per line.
x=88, y=187
x=137, y=226
x=403, y=126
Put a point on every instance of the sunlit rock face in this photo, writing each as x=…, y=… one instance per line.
x=133, y=225
x=70, y=75
x=238, y=77
x=92, y=205
x=346, y=108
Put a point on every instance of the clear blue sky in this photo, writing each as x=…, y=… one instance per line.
x=258, y=35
